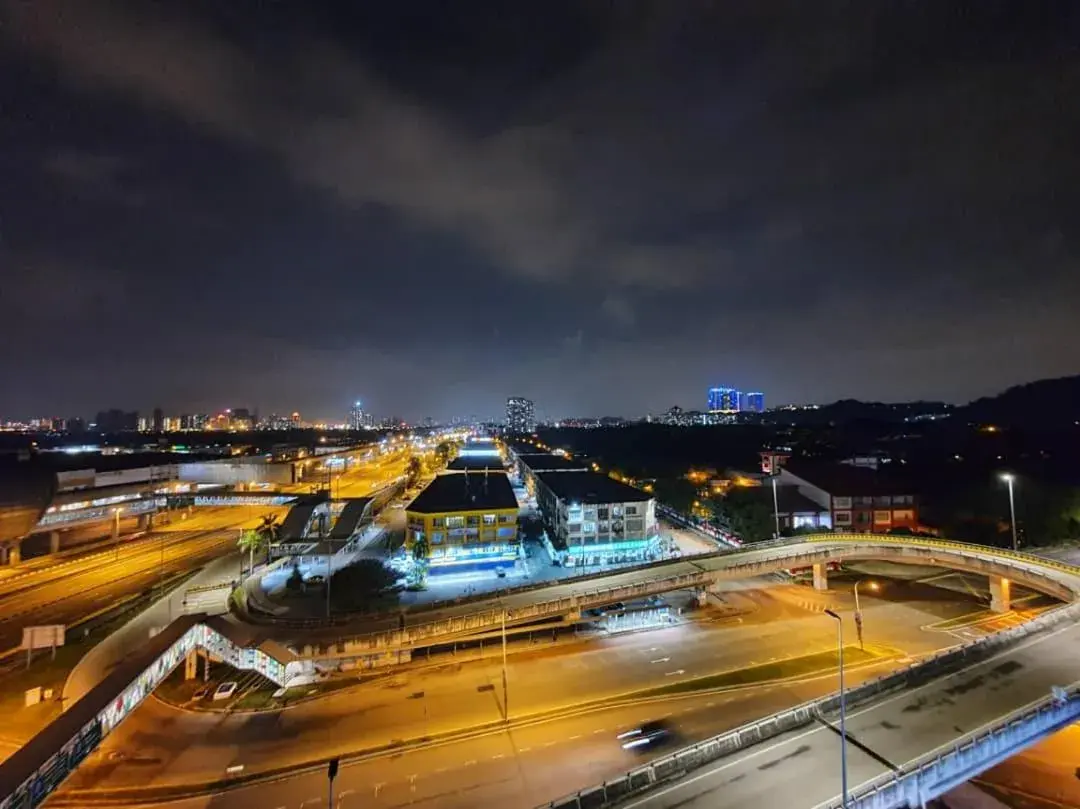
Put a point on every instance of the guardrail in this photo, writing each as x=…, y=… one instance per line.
x=413, y=635
x=702, y=575
x=689, y=758
x=941, y=770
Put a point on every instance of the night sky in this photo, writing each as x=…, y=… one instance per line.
x=604, y=206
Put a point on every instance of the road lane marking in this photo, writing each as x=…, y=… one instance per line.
x=660, y=660
x=675, y=673
x=524, y=749
x=548, y=744
x=469, y=763
x=499, y=755
x=709, y=704
x=578, y=736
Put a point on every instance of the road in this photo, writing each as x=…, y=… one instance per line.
x=68, y=586
x=802, y=769
x=161, y=744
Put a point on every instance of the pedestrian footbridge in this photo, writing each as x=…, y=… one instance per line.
x=568, y=599
x=36, y=769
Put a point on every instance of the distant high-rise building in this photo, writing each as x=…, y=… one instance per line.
x=724, y=400
x=520, y=416
x=358, y=419
x=158, y=424
x=754, y=402
x=295, y=419
x=117, y=421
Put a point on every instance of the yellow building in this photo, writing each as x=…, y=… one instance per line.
x=464, y=519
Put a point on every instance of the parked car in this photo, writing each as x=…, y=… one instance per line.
x=224, y=691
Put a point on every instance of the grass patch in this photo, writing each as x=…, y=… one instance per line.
x=778, y=670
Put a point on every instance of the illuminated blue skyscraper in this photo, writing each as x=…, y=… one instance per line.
x=724, y=400
x=754, y=402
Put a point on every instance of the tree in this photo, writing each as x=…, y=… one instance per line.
x=412, y=470
x=420, y=550
x=360, y=584
x=295, y=582
x=748, y=516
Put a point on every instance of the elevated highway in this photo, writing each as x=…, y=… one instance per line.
x=910, y=736
x=956, y=707
x=569, y=598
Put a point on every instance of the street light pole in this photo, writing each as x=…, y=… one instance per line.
x=1008, y=478
x=506, y=700
x=843, y=708
x=775, y=507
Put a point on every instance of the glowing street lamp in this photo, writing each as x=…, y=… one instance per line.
x=1008, y=477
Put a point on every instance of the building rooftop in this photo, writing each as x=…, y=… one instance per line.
x=591, y=487
x=546, y=462
x=844, y=480
x=789, y=500
x=474, y=463
x=470, y=491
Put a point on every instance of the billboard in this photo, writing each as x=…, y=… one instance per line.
x=47, y=636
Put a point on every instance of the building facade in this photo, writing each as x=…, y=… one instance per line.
x=724, y=400
x=754, y=402
x=464, y=521
x=520, y=415
x=859, y=499
x=594, y=520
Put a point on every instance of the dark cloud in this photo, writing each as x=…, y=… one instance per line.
x=605, y=207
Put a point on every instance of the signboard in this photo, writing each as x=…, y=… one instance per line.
x=47, y=636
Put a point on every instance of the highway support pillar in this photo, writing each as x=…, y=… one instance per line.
x=12, y=554
x=54, y=541
x=702, y=597
x=1000, y=594
x=821, y=577
x=191, y=665
x=144, y=523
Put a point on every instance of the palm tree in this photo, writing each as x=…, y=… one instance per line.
x=249, y=541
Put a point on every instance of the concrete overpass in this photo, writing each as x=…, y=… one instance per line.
x=910, y=736
x=568, y=599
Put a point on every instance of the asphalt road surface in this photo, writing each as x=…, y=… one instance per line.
x=524, y=767
x=802, y=769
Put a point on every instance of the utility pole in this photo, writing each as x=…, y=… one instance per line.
x=506, y=699
x=843, y=708
x=331, y=774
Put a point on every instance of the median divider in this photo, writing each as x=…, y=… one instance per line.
x=684, y=761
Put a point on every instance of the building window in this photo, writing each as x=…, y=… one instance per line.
x=436, y=537
x=843, y=518
x=507, y=519
x=842, y=502
x=903, y=500
x=438, y=522
x=602, y=513
x=882, y=517
x=616, y=511
x=862, y=517
x=903, y=515
x=454, y=522
x=574, y=528
x=631, y=511
x=489, y=519
x=635, y=526
x=590, y=512
x=588, y=527
x=864, y=501
x=472, y=521
x=605, y=526
x=883, y=501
